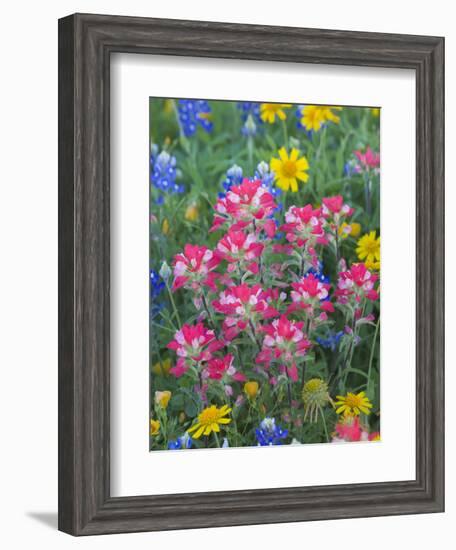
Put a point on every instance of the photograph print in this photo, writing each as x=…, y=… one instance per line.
x=264, y=274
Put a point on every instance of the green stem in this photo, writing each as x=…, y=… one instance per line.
x=324, y=424
x=173, y=304
x=285, y=133
x=369, y=370
x=209, y=314
x=217, y=440
x=250, y=153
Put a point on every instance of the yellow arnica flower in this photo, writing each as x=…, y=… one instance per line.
x=209, y=421
x=192, y=212
x=269, y=111
x=251, y=389
x=162, y=369
x=353, y=404
x=162, y=398
x=154, y=426
x=353, y=229
x=369, y=248
x=289, y=169
x=372, y=266
x=314, y=116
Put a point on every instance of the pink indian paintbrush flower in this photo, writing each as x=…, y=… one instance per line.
x=284, y=340
x=369, y=159
x=334, y=208
x=219, y=368
x=310, y=294
x=194, y=267
x=193, y=344
x=304, y=226
x=244, y=304
x=245, y=204
x=240, y=249
x=356, y=283
x=351, y=429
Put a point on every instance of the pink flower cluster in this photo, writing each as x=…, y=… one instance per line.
x=245, y=296
x=350, y=429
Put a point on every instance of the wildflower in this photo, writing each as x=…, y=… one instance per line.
x=310, y=295
x=218, y=366
x=252, y=109
x=192, y=212
x=314, y=117
x=269, y=433
x=246, y=204
x=242, y=305
x=240, y=250
x=192, y=344
x=315, y=396
x=368, y=160
x=369, y=249
x=154, y=427
x=193, y=268
x=251, y=389
x=318, y=273
x=162, y=398
x=249, y=129
x=156, y=288
x=233, y=177
x=357, y=283
x=165, y=227
x=267, y=176
x=304, y=227
x=350, y=429
x=284, y=341
x=331, y=341
x=352, y=229
x=162, y=368
x=182, y=442
x=353, y=404
x=194, y=113
x=335, y=209
x=289, y=169
x=209, y=420
x=164, y=173
x=269, y=111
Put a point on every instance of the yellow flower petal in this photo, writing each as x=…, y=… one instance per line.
x=199, y=433
x=294, y=155
x=283, y=154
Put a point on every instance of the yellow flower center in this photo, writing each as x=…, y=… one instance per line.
x=289, y=168
x=315, y=384
x=352, y=400
x=209, y=415
x=371, y=246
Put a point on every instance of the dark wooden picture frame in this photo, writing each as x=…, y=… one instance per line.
x=85, y=45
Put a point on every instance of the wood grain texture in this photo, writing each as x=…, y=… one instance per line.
x=85, y=45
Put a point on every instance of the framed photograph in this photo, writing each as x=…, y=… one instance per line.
x=251, y=274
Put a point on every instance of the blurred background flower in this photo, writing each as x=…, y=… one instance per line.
x=194, y=113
